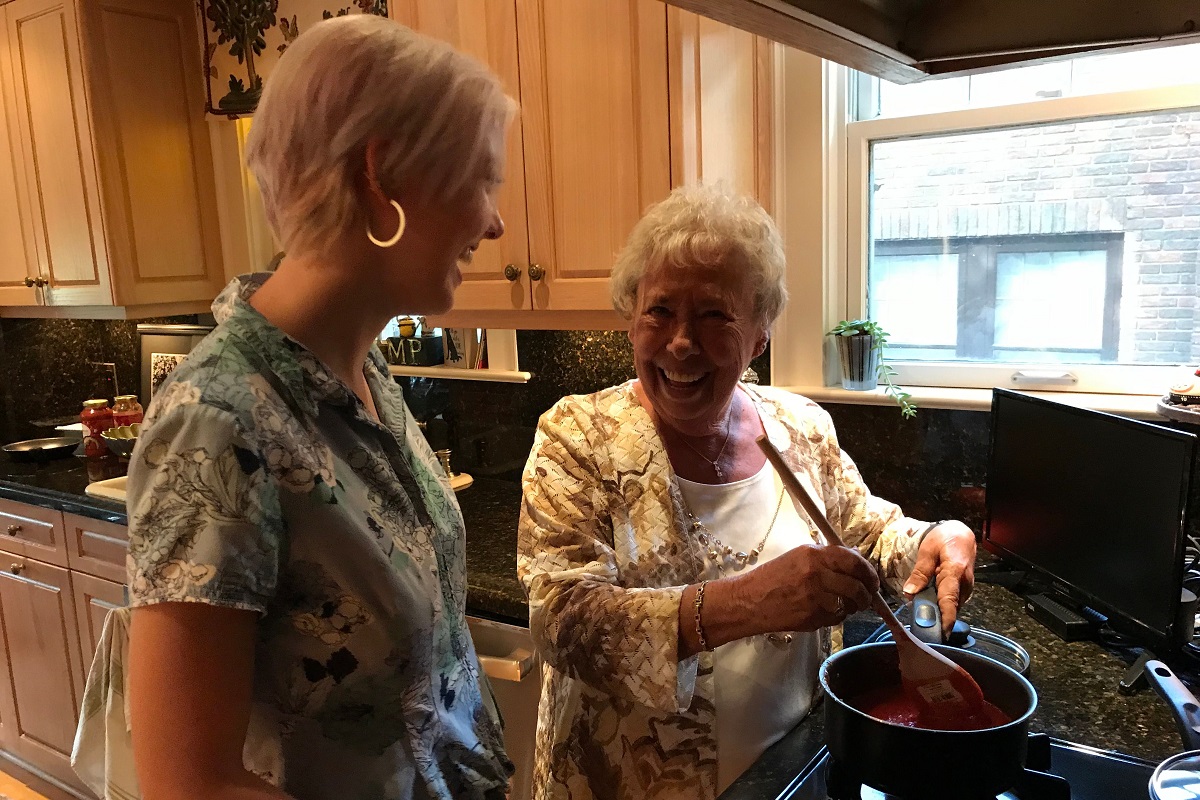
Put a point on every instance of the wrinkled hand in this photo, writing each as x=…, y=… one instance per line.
x=947, y=552
x=800, y=590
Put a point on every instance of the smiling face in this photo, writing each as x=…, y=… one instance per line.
x=694, y=332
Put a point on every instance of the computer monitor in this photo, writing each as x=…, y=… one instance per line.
x=1096, y=503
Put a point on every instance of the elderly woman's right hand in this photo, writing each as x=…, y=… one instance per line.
x=811, y=587
x=798, y=591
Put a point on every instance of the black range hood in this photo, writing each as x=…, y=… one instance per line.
x=910, y=40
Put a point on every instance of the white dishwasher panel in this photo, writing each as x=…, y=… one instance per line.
x=515, y=672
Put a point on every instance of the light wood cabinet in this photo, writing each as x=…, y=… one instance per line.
x=42, y=666
x=488, y=31
x=15, y=267
x=117, y=201
x=619, y=101
x=51, y=619
x=94, y=598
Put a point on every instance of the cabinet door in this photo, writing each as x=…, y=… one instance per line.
x=56, y=148
x=41, y=665
x=94, y=598
x=487, y=29
x=721, y=105
x=144, y=75
x=16, y=264
x=597, y=137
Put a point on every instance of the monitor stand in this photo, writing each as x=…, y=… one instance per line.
x=1070, y=625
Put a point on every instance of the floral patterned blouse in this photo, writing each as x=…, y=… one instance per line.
x=605, y=555
x=259, y=482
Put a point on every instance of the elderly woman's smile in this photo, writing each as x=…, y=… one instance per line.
x=694, y=333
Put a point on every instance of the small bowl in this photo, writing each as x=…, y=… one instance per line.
x=122, y=438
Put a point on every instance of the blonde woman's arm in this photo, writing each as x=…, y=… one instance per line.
x=190, y=676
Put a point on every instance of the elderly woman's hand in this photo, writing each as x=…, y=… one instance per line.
x=811, y=587
x=947, y=552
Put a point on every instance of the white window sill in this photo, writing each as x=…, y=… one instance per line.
x=1137, y=406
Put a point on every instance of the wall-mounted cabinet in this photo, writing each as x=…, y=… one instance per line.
x=106, y=160
x=619, y=102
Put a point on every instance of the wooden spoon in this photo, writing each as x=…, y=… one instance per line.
x=941, y=689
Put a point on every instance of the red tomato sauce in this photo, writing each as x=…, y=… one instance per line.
x=892, y=704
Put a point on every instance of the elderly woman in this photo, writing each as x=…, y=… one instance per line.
x=680, y=601
x=296, y=563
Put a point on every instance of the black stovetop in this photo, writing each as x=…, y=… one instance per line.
x=1090, y=774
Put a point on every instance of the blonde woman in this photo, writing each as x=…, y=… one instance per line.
x=297, y=556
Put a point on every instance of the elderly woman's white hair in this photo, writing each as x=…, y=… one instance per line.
x=345, y=81
x=704, y=226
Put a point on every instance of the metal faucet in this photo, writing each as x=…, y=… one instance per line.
x=112, y=369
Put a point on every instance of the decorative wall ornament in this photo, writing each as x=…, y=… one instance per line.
x=244, y=38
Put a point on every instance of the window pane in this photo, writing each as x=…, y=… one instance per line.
x=1048, y=301
x=1096, y=74
x=905, y=282
x=1078, y=242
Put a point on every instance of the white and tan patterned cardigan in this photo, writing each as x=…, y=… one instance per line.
x=604, y=556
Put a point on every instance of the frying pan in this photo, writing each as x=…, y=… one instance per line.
x=41, y=449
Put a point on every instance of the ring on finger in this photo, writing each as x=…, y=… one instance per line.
x=841, y=606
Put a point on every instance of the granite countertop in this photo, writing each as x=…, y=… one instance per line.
x=59, y=484
x=490, y=508
x=1077, y=696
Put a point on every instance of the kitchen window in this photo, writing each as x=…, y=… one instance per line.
x=1036, y=228
x=999, y=299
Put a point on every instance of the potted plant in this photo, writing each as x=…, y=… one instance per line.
x=860, y=344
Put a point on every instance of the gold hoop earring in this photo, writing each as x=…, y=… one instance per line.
x=399, y=229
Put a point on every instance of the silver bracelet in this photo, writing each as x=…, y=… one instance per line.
x=697, y=604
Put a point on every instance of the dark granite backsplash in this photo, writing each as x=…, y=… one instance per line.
x=50, y=366
x=490, y=426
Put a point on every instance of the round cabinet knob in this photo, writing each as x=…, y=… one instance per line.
x=16, y=569
x=536, y=273
x=512, y=272
x=30, y=282
x=13, y=530
x=43, y=282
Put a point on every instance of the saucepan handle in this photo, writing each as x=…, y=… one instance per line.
x=1184, y=706
x=927, y=616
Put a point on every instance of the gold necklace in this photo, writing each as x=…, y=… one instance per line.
x=720, y=552
x=715, y=464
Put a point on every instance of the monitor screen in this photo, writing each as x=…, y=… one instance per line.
x=1096, y=502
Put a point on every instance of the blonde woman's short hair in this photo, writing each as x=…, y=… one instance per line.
x=705, y=226
x=345, y=81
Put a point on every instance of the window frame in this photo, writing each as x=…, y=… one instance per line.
x=852, y=302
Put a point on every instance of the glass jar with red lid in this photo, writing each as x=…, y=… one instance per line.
x=96, y=417
x=126, y=410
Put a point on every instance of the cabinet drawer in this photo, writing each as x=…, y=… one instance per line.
x=96, y=547
x=33, y=532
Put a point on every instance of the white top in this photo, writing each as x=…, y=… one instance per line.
x=763, y=688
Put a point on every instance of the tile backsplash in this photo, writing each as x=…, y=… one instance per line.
x=490, y=426
x=48, y=367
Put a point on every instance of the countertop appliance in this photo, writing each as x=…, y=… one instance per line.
x=1055, y=770
x=908, y=40
x=508, y=658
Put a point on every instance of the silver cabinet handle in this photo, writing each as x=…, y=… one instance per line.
x=1056, y=377
x=513, y=667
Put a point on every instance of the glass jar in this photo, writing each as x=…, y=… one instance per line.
x=126, y=410
x=96, y=417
